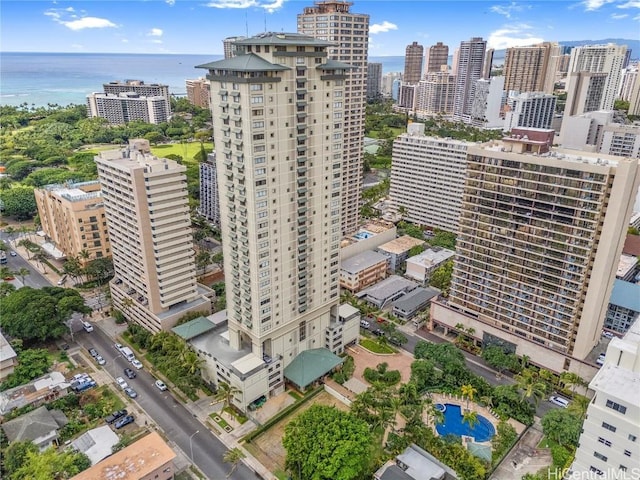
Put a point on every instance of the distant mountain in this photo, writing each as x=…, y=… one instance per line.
x=634, y=45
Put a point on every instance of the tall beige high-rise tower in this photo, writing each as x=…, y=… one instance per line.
x=469, y=66
x=437, y=57
x=541, y=233
x=279, y=122
x=413, y=57
x=530, y=69
x=147, y=210
x=348, y=32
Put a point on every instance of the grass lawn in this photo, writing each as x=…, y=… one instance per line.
x=185, y=150
x=376, y=134
x=375, y=347
x=546, y=442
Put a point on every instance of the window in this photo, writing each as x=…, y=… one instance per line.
x=611, y=428
x=597, y=471
x=257, y=111
x=259, y=160
x=302, y=331
x=256, y=87
x=604, y=441
x=599, y=456
x=633, y=438
x=257, y=99
x=627, y=453
x=616, y=406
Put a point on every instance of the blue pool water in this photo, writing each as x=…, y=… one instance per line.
x=363, y=235
x=481, y=431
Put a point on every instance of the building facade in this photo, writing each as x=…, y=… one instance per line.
x=199, y=93
x=351, y=46
x=427, y=178
x=530, y=69
x=126, y=107
x=529, y=110
x=488, y=102
x=435, y=94
x=413, y=57
x=585, y=91
x=620, y=140
x=209, y=206
x=278, y=127
x=147, y=212
x=540, y=236
x=139, y=87
x=72, y=216
x=374, y=80
x=624, y=307
x=469, y=66
x=229, y=46
x=362, y=270
x=437, y=58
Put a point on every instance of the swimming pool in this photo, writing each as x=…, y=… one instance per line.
x=482, y=431
x=363, y=234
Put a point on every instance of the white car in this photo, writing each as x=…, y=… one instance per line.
x=136, y=363
x=121, y=381
x=100, y=360
x=161, y=385
x=87, y=327
x=559, y=401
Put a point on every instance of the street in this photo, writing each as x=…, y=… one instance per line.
x=35, y=279
x=178, y=424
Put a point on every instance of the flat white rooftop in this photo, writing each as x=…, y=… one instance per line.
x=620, y=382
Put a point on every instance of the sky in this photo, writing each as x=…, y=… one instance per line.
x=198, y=26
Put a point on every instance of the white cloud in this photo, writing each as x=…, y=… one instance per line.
x=506, y=10
x=155, y=32
x=630, y=4
x=619, y=16
x=382, y=27
x=270, y=7
x=73, y=22
x=512, y=36
x=591, y=5
x=170, y=2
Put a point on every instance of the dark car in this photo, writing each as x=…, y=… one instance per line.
x=378, y=332
x=93, y=352
x=115, y=416
x=124, y=421
x=129, y=373
x=131, y=393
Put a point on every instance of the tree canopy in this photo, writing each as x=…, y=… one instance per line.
x=562, y=426
x=325, y=443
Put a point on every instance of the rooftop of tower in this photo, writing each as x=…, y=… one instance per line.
x=281, y=38
x=249, y=62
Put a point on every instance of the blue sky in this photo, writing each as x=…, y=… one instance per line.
x=198, y=26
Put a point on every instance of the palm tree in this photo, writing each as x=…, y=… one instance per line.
x=192, y=362
x=127, y=304
x=226, y=392
x=6, y=272
x=571, y=379
x=40, y=259
x=23, y=272
x=233, y=456
x=579, y=406
x=530, y=386
x=84, y=255
x=468, y=391
x=471, y=418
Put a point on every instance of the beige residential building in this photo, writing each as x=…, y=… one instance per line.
x=585, y=91
x=620, y=140
x=530, y=69
x=147, y=211
x=229, y=46
x=149, y=458
x=397, y=250
x=199, y=92
x=437, y=57
x=469, y=65
x=413, y=57
x=541, y=232
x=348, y=33
x=72, y=216
x=363, y=270
x=435, y=93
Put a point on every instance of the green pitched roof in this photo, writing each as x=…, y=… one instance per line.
x=310, y=365
x=281, y=38
x=249, y=62
x=193, y=328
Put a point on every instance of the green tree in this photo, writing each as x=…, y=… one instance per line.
x=441, y=277
x=562, y=426
x=633, y=231
x=51, y=465
x=530, y=385
x=468, y=391
x=32, y=363
x=22, y=273
x=154, y=137
x=324, y=443
x=234, y=457
x=470, y=418
x=225, y=393
x=19, y=202
x=15, y=456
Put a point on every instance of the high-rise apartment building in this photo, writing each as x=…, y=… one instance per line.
x=541, y=232
x=350, y=45
x=374, y=80
x=630, y=77
x=199, y=93
x=530, y=69
x=72, y=216
x=607, y=59
x=488, y=100
x=407, y=96
x=414, y=55
x=388, y=80
x=585, y=91
x=147, y=211
x=470, y=62
x=437, y=57
x=229, y=46
x=427, y=178
x=488, y=63
x=139, y=87
x=435, y=94
x=620, y=140
x=209, y=206
x=125, y=107
x=279, y=123
x=529, y=110
x=608, y=446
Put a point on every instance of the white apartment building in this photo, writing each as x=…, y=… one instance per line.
x=128, y=106
x=585, y=93
x=388, y=79
x=147, y=210
x=348, y=32
x=434, y=94
x=229, y=46
x=529, y=110
x=427, y=178
x=469, y=63
x=278, y=109
x=488, y=99
x=209, y=206
x=609, y=445
x=621, y=140
x=541, y=232
x=584, y=132
x=139, y=87
x=629, y=79
x=607, y=59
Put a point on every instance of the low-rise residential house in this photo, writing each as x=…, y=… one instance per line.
x=150, y=458
x=8, y=358
x=40, y=426
x=627, y=268
x=407, y=306
x=362, y=270
x=41, y=390
x=386, y=291
x=624, y=306
x=96, y=443
x=421, y=266
x=415, y=464
x=398, y=250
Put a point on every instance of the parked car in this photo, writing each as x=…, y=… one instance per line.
x=124, y=421
x=122, y=382
x=84, y=385
x=607, y=334
x=600, y=359
x=559, y=401
x=87, y=327
x=80, y=377
x=161, y=385
x=378, y=332
x=13, y=254
x=93, y=352
x=129, y=373
x=364, y=324
x=118, y=346
x=100, y=360
x=131, y=393
x=115, y=416
x=136, y=363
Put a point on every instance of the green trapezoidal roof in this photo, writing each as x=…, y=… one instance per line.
x=249, y=62
x=193, y=328
x=310, y=365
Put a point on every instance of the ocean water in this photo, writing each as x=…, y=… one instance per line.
x=39, y=79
